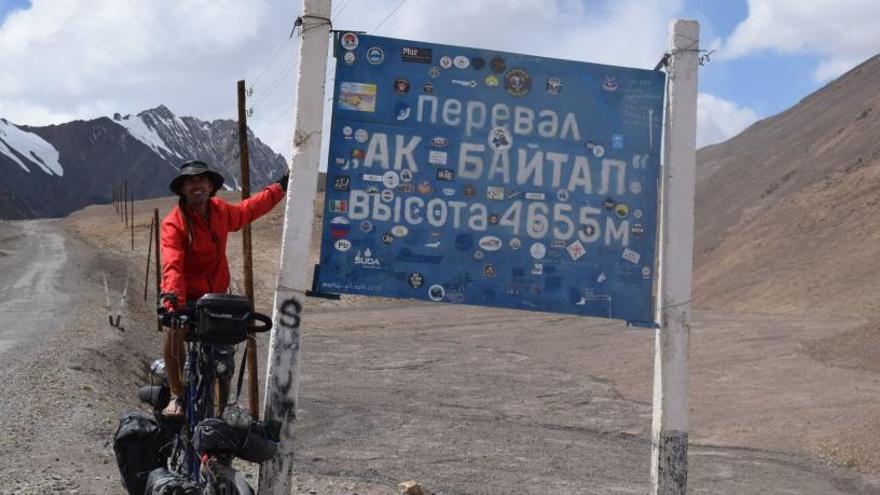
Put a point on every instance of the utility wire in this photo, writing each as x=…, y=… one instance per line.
x=341, y=9
x=389, y=16
x=276, y=82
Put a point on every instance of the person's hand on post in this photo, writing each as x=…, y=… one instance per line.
x=283, y=180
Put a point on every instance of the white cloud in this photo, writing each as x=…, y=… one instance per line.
x=842, y=32
x=719, y=119
x=65, y=59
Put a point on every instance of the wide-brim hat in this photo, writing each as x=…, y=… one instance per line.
x=191, y=169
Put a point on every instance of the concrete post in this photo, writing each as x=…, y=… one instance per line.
x=669, y=467
x=282, y=380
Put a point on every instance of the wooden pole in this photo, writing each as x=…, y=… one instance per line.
x=669, y=441
x=131, y=224
x=125, y=202
x=149, y=253
x=282, y=378
x=253, y=386
x=157, y=228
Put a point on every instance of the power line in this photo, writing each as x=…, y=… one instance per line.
x=390, y=14
x=276, y=82
x=341, y=9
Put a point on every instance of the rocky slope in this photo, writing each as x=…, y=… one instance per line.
x=53, y=170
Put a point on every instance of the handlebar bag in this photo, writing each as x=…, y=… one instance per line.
x=222, y=319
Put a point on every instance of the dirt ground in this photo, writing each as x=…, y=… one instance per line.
x=461, y=399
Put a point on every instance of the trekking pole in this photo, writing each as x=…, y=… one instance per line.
x=149, y=253
x=158, y=262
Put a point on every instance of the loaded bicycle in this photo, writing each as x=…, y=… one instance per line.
x=193, y=454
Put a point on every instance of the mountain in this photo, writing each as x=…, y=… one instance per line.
x=786, y=212
x=53, y=170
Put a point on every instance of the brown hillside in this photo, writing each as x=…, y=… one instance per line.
x=785, y=211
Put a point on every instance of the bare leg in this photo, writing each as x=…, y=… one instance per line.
x=175, y=357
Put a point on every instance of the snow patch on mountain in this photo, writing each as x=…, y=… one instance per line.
x=32, y=147
x=144, y=133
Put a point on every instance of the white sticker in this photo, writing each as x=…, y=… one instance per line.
x=538, y=269
x=449, y=191
x=437, y=157
x=635, y=187
x=631, y=256
x=347, y=131
x=387, y=195
x=361, y=135
x=349, y=58
x=461, y=62
x=535, y=196
x=646, y=271
x=399, y=231
x=446, y=61
x=495, y=193
x=538, y=250
x=576, y=250
x=500, y=139
x=342, y=245
x=637, y=214
x=349, y=41
x=390, y=179
x=598, y=151
x=490, y=243
x=372, y=178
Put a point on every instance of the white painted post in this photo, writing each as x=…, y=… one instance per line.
x=669, y=442
x=282, y=373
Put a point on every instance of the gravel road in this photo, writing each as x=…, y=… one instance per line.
x=464, y=400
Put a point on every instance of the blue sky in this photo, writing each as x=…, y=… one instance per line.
x=80, y=59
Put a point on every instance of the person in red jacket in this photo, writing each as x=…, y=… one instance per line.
x=193, y=245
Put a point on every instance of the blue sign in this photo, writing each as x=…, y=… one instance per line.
x=472, y=176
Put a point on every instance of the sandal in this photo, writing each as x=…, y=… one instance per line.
x=174, y=409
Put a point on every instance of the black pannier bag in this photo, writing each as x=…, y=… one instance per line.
x=140, y=447
x=163, y=482
x=237, y=434
x=222, y=319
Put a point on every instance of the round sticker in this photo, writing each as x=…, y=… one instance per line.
x=346, y=131
x=375, y=55
x=491, y=81
x=342, y=245
x=500, y=139
x=387, y=195
x=436, y=292
x=445, y=61
x=621, y=210
x=490, y=243
x=349, y=58
x=349, y=41
x=478, y=255
x=461, y=62
x=635, y=187
x=515, y=243
x=562, y=195
x=391, y=179
x=478, y=63
x=361, y=135
x=646, y=271
x=497, y=65
x=517, y=82
x=538, y=250
x=424, y=187
x=434, y=72
x=399, y=231
x=406, y=175
x=401, y=86
x=637, y=214
x=598, y=151
x=366, y=226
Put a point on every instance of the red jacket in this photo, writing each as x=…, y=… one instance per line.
x=194, y=263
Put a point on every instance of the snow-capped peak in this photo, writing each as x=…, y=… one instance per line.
x=21, y=146
x=141, y=130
